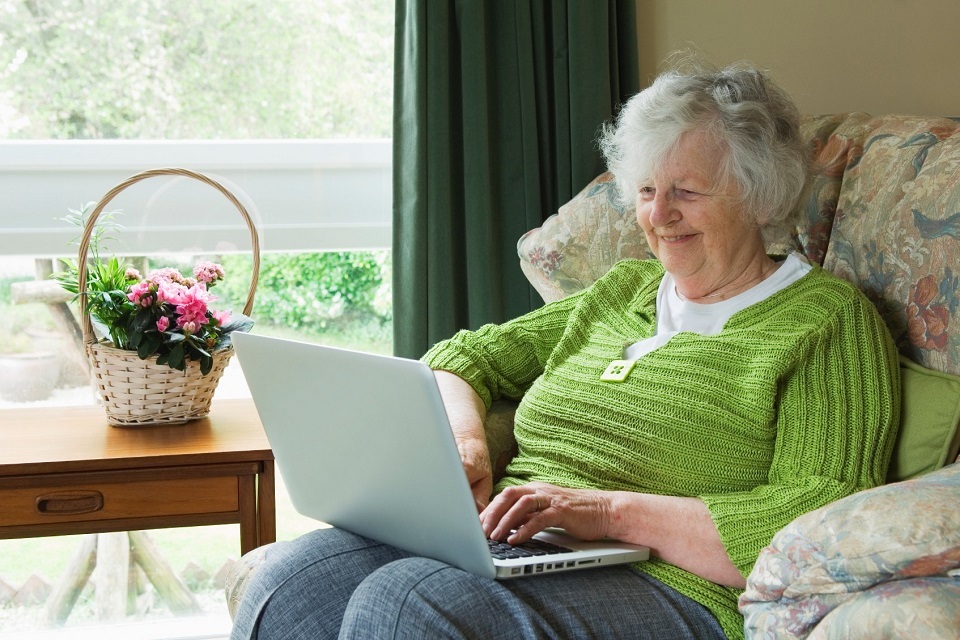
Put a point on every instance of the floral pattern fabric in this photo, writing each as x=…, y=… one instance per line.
x=580, y=243
x=830, y=563
x=896, y=234
x=927, y=608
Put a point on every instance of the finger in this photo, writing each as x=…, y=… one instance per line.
x=535, y=522
x=520, y=514
x=498, y=508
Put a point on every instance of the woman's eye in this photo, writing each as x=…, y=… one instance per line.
x=686, y=193
x=646, y=192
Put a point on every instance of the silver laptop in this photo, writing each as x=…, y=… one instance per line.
x=364, y=444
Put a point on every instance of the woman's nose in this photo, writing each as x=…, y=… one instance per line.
x=661, y=209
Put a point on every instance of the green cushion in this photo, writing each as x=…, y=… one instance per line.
x=930, y=413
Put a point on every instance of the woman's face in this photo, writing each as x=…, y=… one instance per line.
x=693, y=220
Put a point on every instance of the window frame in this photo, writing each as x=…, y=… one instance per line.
x=304, y=195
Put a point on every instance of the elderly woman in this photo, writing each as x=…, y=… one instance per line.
x=694, y=404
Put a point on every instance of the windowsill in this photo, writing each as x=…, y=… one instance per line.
x=232, y=385
x=206, y=627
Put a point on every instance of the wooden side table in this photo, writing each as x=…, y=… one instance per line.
x=66, y=471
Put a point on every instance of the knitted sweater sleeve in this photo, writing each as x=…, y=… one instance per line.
x=502, y=361
x=837, y=415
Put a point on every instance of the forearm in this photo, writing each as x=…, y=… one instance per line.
x=465, y=409
x=677, y=530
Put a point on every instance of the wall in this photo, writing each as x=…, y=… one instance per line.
x=878, y=56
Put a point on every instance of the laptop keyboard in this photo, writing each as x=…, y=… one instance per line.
x=504, y=551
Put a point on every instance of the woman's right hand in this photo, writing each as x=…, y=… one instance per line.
x=476, y=463
x=466, y=413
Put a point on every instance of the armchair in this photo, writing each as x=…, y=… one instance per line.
x=883, y=212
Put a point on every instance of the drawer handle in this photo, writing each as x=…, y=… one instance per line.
x=69, y=503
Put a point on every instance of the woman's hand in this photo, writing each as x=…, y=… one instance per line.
x=533, y=507
x=678, y=530
x=476, y=464
x=466, y=413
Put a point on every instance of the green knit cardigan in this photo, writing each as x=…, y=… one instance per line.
x=793, y=405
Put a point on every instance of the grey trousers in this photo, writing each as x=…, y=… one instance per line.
x=331, y=583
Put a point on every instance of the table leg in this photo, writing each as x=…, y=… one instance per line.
x=266, y=504
x=248, y=513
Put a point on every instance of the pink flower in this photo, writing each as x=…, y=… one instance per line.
x=163, y=323
x=192, y=306
x=188, y=327
x=166, y=275
x=927, y=321
x=131, y=274
x=208, y=272
x=142, y=293
x=223, y=317
x=171, y=292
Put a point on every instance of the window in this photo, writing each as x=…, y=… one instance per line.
x=287, y=102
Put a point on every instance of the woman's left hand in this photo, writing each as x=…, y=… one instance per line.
x=533, y=507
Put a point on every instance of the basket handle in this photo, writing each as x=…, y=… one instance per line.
x=88, y=335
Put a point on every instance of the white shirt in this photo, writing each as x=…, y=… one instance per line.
x=675, y=314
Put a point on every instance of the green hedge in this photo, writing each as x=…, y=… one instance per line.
x=312, y=292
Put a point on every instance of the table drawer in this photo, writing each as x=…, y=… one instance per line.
x=84, y=502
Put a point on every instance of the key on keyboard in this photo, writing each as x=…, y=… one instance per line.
x=503, y=551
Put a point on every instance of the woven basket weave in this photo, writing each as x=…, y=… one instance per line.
x=142, y=392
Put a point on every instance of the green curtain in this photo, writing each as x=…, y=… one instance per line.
x=497, y=106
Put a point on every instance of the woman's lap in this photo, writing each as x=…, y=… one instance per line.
x=332, y=582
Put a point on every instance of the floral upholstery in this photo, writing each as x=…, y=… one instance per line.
x=832, y=140
x=853, y=555
x=927, y=608
x=580, y=243
x=896, y=233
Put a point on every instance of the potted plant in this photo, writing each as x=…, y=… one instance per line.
x=156, y=345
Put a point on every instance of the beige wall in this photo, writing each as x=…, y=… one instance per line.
x=878, y=56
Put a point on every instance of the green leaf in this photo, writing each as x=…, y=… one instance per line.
x=177, y=360
x=206, y=364
x=238, y=322
x=142, y=321
x=149, y=344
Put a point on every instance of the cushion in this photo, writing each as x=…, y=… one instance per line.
x=930, y=414
x=579, y=243
x=896, y=229
x=828, y=556
x=240, y=575
x=927, y=608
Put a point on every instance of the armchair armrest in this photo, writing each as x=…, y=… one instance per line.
x=500, y=440
x=865, y=542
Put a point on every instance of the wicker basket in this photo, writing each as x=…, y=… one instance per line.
x=141, y=392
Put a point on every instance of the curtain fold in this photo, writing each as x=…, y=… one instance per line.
x=497, y=106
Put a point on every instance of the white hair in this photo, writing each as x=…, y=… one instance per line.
x=753, y=121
